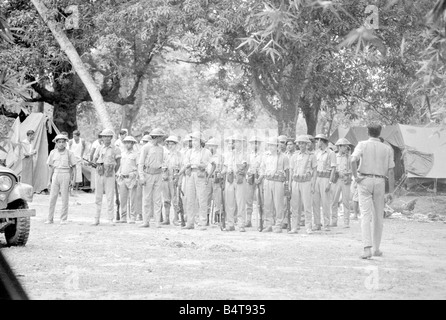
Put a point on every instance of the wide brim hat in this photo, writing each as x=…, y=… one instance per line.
x=212, y=142
x=157, y=132
x=272, y=140
x=107, y=133
x=256, y=139
x=302, y=138
x=172, y=139
x=146, y=138
x=321, y=136
x=238, y=137
x=282, y=138
x=343, y=142
x=129, y=139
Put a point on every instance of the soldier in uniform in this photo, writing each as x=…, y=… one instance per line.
x=119, y=143
x=77, y=146
x=255, y=159
x=290, y=147
x=215, y=178
x=302, y=176
x=326, y=163
x=171, y=179
x=236, y=168
x=274, y=172
x=341, y=183
x=107, y=158
x=150, y=165
x=139, y=194
x=127, y=179
x=376, y=164
x=195, y=167
x=312, y=146
x=61, y=162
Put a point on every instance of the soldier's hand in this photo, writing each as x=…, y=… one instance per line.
x=312, y=189
x=327, y=188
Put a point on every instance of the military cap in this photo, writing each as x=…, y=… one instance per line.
x=212, y=142
x=238, y=137
x=282, y=138
x=342, y=142
x=60, y=137
x=197, y=135
x=310, y=137
x=123, y=131
x=157, y=132
x=172, y=139
x=129, y=139
x=146, y=138
x=321, y=136
x=228, y=139
x=272, y=140
x=303, y=138
x=107, y=133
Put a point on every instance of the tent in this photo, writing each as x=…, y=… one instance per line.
x=45, y=131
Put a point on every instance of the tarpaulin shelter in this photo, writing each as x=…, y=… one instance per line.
x=45, y=131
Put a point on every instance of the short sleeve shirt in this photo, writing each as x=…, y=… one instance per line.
x=302, y=163
x=198, y=157
x=129, y=162
x=255, y=160
x=375, y=157
x=273, y=163
x=61, y=160
x=326, y=160
x=108, y=155
x=152, y=156
x=234, y=160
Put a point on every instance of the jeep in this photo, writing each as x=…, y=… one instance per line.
x=15, y=217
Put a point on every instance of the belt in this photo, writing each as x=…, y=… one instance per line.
x=153, y=170
x=323, y=174
x=62, y=170
x=372, y=175
x=304, y=178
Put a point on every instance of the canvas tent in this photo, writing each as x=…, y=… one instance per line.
x=420, y=152
x=45, y=131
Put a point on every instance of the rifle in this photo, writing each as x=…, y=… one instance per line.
x=90, y=163
x=118, y=203
x=260, y=202
x=223, y=211
x=180, y=193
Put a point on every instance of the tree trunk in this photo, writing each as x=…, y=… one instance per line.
x=77, y=63
x=287, y=119
x=64, y=116
x=311, y=112
x=130, y=112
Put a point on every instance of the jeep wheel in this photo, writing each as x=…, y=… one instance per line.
x=17, y=234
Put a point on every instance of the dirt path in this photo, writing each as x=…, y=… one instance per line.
x=78, y=261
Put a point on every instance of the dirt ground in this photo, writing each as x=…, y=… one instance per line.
x=79, y=261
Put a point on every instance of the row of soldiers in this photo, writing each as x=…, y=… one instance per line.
x=214, y=180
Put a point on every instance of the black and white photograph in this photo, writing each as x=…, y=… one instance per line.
x=222, y=154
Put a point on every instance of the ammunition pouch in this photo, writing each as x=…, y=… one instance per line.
x=251, y=178
x=240, y=178
x=109, y=170
x=279, y=177
x=336, y=177
x=303, y=178
x=100, y=169
x=322, y=174
x=230, y=177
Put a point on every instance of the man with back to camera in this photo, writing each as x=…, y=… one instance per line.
x=376, y=164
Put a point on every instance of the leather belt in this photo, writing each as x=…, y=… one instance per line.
x=323, y=174
x=372, y=175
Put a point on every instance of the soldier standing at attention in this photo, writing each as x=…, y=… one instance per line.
x=94, y=146
x=302, y=175
x=139, y=195
x=150, y=165
x=119, y=143
x=108, y=158
x=215, y=177
x=236, y=187
x=342, y=183
x=171, y=179
x=127, y=179
x=61, y=162
x=197, y=190
x=290, y=148
x=376, y=164
x=254, y=161
x=275, y=170
x=326, y=164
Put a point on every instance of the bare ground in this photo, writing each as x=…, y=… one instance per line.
x=79, y=261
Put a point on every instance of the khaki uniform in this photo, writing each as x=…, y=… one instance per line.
x=169, y=188
x=127, y=179
x=235, y=190
x=62, y=163
x=255, y=160
x=375, y=159
x=215, y=185
x=105, y=178
x=326, y=160
x=342, y=186
x=139, y=193
x=196, y=189
x=150, y=165
x=302, y=165
x=273, y=167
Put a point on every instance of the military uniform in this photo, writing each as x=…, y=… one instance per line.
x=326, y=161
x=236, y=186
x=62, y=164
x=273, y=168
x=302, y=166
x=215, y=181
x=150, y=165
x=341, y=185
x=127, y=179
x=171, y=168
x=106, y=158
x=197, y=190
x=254, y=162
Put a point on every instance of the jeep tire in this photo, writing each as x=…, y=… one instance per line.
x=17, y=234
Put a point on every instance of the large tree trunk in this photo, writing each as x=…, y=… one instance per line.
x=287, y=119
x=311, y=112
x=64, y=116
x=77, y=63
x=130, y=112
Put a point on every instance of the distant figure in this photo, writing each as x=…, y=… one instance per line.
x=77, y=146
x=29, y=158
